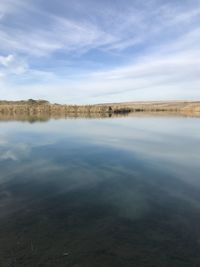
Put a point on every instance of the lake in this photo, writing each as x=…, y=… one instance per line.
x=100, y=192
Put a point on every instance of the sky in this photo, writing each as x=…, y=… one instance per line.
x=96, y=51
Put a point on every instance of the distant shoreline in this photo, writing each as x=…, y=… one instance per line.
x=42, y=107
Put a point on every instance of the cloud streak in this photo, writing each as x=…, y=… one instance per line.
x=99, y=51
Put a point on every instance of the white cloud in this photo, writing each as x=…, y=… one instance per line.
x=112, y=30
x=12, y=65
x=70, y=36
x=159, y=44
x=6, y=61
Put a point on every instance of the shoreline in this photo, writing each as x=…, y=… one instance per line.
x=44, y=108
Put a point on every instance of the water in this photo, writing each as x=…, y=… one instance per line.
x=100, y=192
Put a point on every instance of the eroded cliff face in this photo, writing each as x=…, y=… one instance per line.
x=42, y=108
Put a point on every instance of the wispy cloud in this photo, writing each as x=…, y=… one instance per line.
x=12, y=65
x=133, y=50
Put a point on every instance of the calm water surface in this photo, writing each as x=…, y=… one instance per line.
x=107, y=192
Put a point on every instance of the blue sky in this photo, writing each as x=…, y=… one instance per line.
x=89, y=51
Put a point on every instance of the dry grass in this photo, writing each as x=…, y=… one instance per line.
x=42, y=107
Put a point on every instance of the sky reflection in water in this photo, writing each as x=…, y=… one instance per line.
x=108, y=192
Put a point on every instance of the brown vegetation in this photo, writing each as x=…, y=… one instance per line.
x=44, y=109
